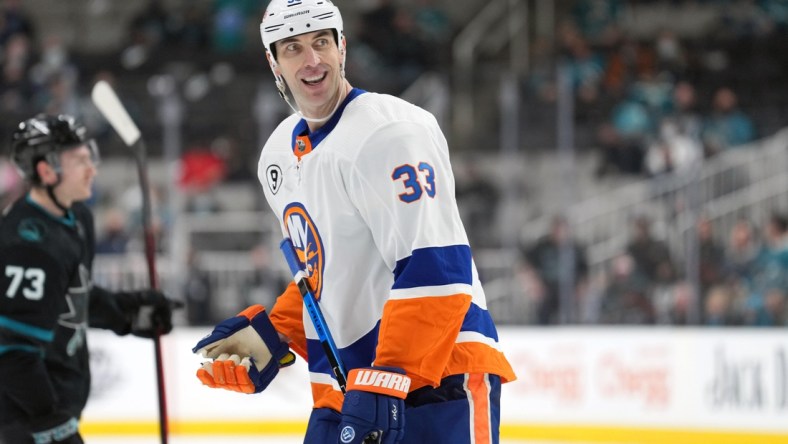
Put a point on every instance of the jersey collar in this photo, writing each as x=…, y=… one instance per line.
x=303, y=142
x=68, y=219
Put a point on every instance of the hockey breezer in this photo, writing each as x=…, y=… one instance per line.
x=112, y=109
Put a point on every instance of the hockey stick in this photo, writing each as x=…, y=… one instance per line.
x=323, y=333
x=107, y=102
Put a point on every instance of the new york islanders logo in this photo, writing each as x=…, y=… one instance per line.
x=307, y=242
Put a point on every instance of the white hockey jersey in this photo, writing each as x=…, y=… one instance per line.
x=368, y=201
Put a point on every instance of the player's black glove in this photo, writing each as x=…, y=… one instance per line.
x=374, y=406
x=149, y=312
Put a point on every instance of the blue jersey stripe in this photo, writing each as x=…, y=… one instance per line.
x=434, y=266
x=359, y=354
x=27, y=330
x=479, y=320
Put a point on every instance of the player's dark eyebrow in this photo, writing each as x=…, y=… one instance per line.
x=285, y=41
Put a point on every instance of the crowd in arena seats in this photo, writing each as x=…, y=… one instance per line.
x=659, y=102
x=742, y=278
x=657, y=105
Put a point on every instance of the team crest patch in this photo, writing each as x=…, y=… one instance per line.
x=274, y=178
x=307, y=242
x=31, y=230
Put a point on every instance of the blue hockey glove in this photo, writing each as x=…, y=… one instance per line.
x=374, y=406
x=246, y=353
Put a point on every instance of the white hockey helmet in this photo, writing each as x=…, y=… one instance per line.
x=288, y=18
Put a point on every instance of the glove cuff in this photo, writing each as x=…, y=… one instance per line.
x=265, y=329
x=389, y=381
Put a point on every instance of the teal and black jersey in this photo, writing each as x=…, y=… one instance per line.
x=45, y=298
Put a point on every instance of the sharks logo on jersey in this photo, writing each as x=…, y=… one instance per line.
x=76, y=318
x=309, y=246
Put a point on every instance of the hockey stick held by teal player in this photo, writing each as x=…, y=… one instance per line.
x=110, y=106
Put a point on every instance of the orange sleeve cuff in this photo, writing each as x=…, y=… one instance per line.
x=287, y=317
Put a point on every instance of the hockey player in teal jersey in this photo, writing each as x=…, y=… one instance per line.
x=47, y=300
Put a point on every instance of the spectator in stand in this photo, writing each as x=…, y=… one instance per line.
x=672, y=152
x=619, y=154
x=597, y=20
x=625, y=299
x=719, y=308
x=433, y=26
x=478, y=196
x=557, y=258
x=654, y=90
x=408, y=56
x=151, y=26
x=681, y=299
x=775, y=312
x=14, y=20
x=711, y=256
x=377, y=26
x=230, y=20
x=727, y=126
x=391, y=35
x=769, y=278
x=684, y=111
x=741, y=252
x=586, y=66
x=671, y=56
x=113, y=238
x=238, y=168
x=627, y=60
x=197, y=292
x=16, y=87
x=624, y=139
x=652, y=256
x=192, y=30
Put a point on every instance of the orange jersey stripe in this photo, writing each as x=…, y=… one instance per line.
x=286, y=315
x=479, y=393
x=418, y=335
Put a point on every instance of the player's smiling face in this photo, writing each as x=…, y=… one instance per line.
x=310, y=64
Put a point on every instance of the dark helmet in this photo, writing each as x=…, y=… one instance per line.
x=44, y=137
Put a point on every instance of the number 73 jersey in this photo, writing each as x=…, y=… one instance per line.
x=368, y=201
x=44, y=280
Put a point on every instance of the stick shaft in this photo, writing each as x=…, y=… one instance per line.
x=107, y=101
x=315, y=314
x=150, y=259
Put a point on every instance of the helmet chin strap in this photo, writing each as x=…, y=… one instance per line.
x=51, y=193
x=280, y=85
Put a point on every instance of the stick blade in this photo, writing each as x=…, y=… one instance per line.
x=107, y=102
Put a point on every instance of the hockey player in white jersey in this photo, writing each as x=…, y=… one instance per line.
x=362, y=184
